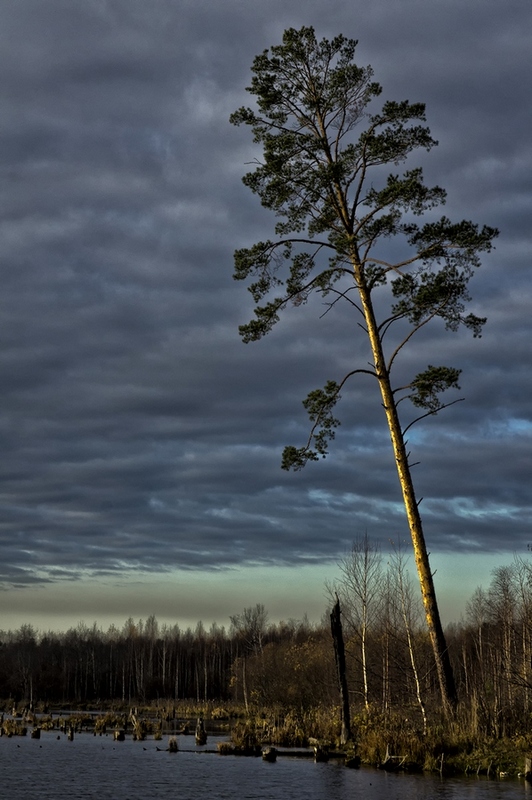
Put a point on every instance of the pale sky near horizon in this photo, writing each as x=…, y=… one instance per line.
x=186, y=598
x=141, y=440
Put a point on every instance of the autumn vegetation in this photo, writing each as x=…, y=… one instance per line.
x=276, y=682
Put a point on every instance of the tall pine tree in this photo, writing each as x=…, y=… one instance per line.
x=321, y=173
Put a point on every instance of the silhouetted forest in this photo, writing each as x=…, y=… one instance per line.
x=290, y=665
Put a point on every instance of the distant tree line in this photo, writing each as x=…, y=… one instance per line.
x=290, y=665
x=144, y=661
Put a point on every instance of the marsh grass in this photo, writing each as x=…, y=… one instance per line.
x=12, y=727
x=109, y=721
x=452, y=747
x=445, y=748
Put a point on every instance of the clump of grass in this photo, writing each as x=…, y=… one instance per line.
x=111, y=720
x=288, y=727
x=12, y=728
x=291, y=732
x=141, y=728
x=220, y=712
x=244, y=735
x=77, y=721
x=493, y=757
x=245, y=739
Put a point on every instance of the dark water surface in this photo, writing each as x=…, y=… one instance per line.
x=98, y=767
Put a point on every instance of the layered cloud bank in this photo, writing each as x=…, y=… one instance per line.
x=138, y=432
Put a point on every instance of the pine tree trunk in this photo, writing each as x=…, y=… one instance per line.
x=432, y=614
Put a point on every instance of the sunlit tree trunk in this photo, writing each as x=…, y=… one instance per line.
x=428, y=593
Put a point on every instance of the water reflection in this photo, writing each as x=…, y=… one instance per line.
x=97, y=766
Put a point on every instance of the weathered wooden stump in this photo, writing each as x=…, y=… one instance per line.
x=353, y=762
x=36, y=733
x=201, y=733
x=119, y=736
x=320, y=753
x=269, y=754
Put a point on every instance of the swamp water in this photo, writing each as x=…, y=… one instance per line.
x=98, y=767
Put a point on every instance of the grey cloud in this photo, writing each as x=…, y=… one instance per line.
x=137, y=431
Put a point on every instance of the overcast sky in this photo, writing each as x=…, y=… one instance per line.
x=141, y=439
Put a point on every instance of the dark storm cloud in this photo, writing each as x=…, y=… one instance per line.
x=137, y=431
